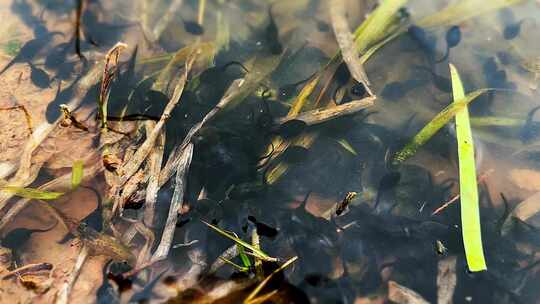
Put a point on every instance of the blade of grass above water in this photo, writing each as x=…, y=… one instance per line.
x=32, y=193
x=258, y=252
x=470, y=211
x=76, y=174
x=435, y=125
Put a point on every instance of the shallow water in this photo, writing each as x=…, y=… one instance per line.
x=386, y=234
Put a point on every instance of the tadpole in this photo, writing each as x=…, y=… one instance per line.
x=287, y=91
x=39, y=77
x=272, y=35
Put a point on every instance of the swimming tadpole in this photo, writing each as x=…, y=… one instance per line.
x=39, y=77
x=287, y=91
x=272, y=35
x=395, y=90
x=262, y=228
x=193, y=27
x=425, y=40
x=29, y=50
x=531, y=128
x=453, y=38
x=512, y=30
x=16, y=238
x=358, y=90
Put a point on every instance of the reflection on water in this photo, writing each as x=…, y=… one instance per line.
x=250, y=174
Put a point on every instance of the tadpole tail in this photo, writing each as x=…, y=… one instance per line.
x=78, y=29
x=9, y=65
x=445, y=55
x=235, y=63
x=505, y=214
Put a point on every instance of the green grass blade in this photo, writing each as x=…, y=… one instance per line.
x=243, y=257
x=261, y=285
x=470, y=211
x=435, y=125
x=376, y=26
x=76, y=174
x=347, y=146
x=460, y=11
x=32, y=193
x=240, y=268
x=259, y=253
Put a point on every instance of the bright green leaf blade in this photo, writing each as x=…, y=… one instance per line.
x=435, y=125
x=347, y=146
x=470, y=211
x=76, y=174
x=377, y=25
x=245, y=260
x=240, y=268
x=258, y=252
x=32, y=193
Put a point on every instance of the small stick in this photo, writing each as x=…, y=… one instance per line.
x=318, y=116
x=455, y=198
x=131, y=166
x=166, y=19
x=26, y=115
x=78, y=28
x=176, y=202
x=28, y=269
x=446, y=280
x=63, y=296
x=154, y=163
x=401, y=294
x=108, y=75
x=229, y=254
x=345, y=40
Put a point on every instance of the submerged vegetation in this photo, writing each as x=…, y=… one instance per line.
x=269, y=152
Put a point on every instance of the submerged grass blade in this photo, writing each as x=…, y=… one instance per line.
x=347, y=146
x=435, y=125
x=76, y=174
x=259, y=253
x=460, y=11
x=470, y=211
x=376, y=26
x=32, y=193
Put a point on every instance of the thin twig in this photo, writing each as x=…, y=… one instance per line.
x=164, y=21
x=401, y=294
x=446, y=280
x=109, y=71
x=28, y=269
x=176, y=202
x=130, y=167
x=154, y=163
x=229, y=254
x=456, y=197
x=78, y=14
x=168, y=170
x=65, y=291
x=318, y=116
x=345, y=40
